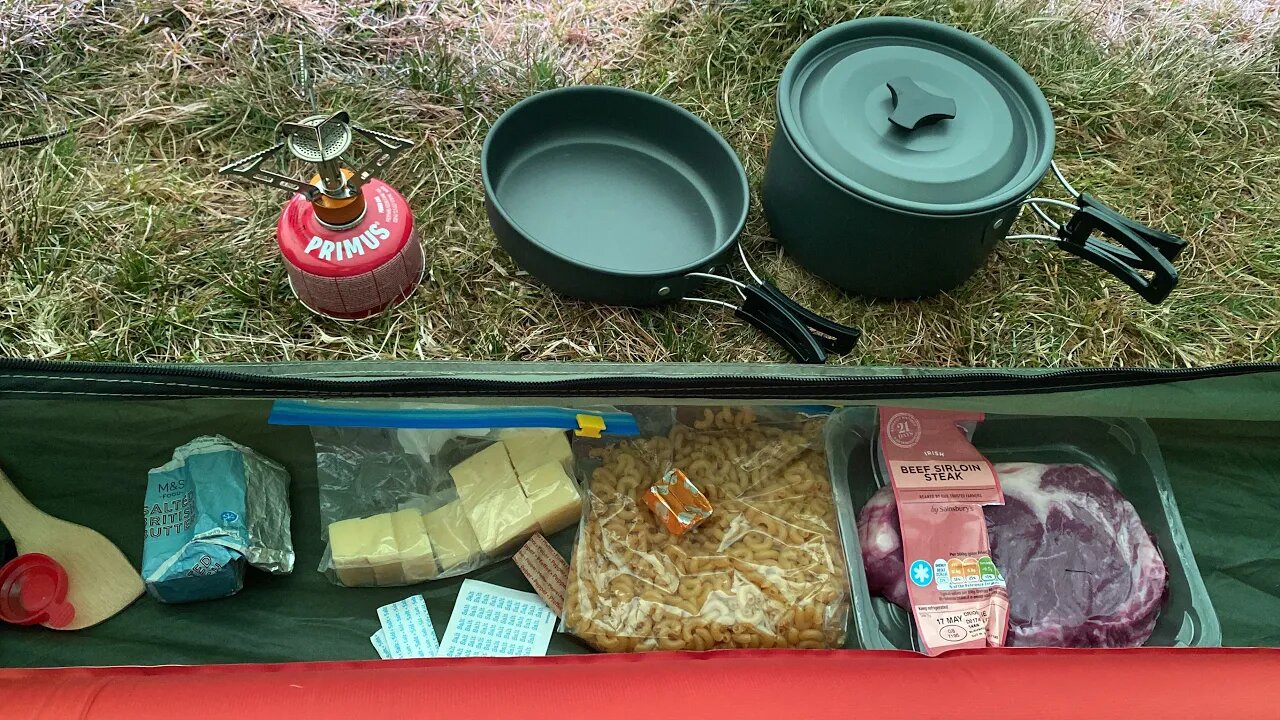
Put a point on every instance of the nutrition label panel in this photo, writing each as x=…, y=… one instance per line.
x=963, y=573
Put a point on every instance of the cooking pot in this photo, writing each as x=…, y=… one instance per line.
x=904, y=151
x=617, y=196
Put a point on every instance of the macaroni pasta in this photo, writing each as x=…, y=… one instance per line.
x=765, y=570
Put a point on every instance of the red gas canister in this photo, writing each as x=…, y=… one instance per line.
x=356, y=272
x=346, y=238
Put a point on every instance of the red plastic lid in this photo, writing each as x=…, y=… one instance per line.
x=33, y=590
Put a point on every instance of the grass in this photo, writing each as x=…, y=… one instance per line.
x=120, y=242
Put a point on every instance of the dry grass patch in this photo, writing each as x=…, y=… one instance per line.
x=120, y=242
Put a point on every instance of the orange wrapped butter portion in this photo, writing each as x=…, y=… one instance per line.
x=677, y=503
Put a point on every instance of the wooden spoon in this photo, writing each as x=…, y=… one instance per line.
x=100, y=580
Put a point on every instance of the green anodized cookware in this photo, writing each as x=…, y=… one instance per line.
x=617, y=196
x=904, y=151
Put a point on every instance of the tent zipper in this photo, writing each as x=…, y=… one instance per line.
x=142, y=380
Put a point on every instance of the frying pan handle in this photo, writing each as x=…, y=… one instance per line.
x=1135, y=249
x=830, y=334
x=775, y=320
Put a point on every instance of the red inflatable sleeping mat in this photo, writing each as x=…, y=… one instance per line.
x=736, y=684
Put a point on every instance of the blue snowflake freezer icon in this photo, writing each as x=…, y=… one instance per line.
x=921, y=573
x=229, y=517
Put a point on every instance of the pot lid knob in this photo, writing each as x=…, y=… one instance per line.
x=914, y=107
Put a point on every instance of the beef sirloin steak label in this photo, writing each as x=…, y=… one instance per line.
x=941, y=483
x=930, y=458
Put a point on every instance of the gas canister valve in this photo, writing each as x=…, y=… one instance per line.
x=346, y=236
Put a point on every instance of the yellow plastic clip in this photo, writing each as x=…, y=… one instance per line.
x=589, y=426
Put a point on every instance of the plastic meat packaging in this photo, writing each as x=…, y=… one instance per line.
x=415, y=493
x=1082, y=570
x=1089, y=539
x=765, y=569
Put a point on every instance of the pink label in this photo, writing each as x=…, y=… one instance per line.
x=930, y=457
x=975, y=624
x=941, y=482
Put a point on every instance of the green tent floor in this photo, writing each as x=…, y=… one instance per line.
x=87, y=461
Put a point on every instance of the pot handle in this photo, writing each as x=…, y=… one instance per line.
x=829, y=334
x=772, y=318
x=805, y=334
x=1133, y=249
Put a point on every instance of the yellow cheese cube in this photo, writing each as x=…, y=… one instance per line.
x=364, y=551
x=451, y=535
x=416, y=561
x=531, y=449
x=501, y=519
x=347, y=546
x=385, y=557
x=553, y=496
x=486, y=471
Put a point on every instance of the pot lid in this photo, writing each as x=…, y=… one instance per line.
x=916, y=115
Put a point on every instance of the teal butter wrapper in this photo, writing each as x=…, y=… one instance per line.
x=197, y=534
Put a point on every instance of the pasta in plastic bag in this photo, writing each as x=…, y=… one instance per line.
x=765, y=570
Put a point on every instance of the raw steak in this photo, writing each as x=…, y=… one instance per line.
x=1082, y=570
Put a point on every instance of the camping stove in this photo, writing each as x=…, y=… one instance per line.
x=346, y=237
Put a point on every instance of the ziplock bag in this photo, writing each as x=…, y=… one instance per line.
x=411, y=493
x=765, y=569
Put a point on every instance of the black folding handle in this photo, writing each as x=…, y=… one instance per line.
x=805, y=334
x=1138, y=248
x=774, y=319
x=830, y=334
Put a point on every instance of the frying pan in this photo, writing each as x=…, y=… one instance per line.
x=616, y=196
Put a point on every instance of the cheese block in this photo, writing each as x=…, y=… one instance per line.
x=531, y=449
x=348, y=548
x=553, y=497
x=451, y=536
x=495, y=503
x=416, y=559
x=381, y=550
x=487, y=471
x=364, y=551
x=384, y=557
x=502, y=519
